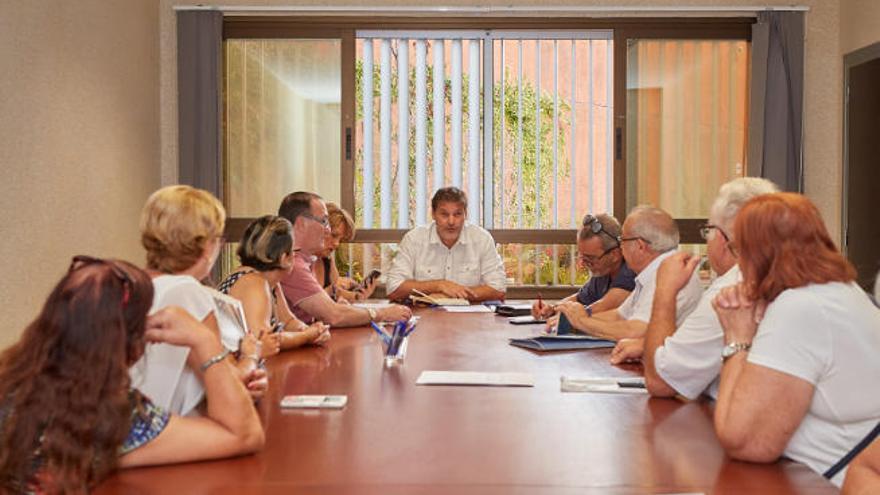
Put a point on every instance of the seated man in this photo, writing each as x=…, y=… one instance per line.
x=448, y=256
x=611, y=281
x=649, y=236
x=686, y=360
x=305, y=296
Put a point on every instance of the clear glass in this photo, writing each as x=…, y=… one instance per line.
x=687, y=103
x=282, y=131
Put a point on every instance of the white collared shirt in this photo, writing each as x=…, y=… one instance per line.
x=690, y=359
x=472, y=261
x=639, y=303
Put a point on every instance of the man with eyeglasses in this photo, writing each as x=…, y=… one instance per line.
x=649, y=235
x=685, y=358
x=611, y=280
x=305, y=295
x=448, y=257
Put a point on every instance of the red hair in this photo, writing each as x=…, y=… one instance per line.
x=783, y=244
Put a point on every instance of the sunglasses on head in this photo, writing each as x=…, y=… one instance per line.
x=595, y=226
x=82, y=260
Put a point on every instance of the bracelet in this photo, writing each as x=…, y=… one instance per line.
x=214, y=360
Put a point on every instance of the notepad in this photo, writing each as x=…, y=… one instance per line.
x=561, y=342
x=499, y=379
x=622, y=385
x=473, y=308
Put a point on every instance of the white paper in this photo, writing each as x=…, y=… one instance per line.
x=502, y=379
x=476, y=308
x=371, y=305
x=606, y=384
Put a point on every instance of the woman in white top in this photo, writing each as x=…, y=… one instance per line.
x=181, y=230
x=800, y=366
x=266, y=254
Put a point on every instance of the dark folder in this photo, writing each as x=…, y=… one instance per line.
x=513, y=309
x=561, y=342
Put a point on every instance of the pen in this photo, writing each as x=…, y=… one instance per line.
x=385, y=337
x=540, y=301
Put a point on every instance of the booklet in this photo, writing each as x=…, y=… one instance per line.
x=549, y=342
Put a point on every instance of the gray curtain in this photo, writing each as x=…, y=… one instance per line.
x=199, y=80
x=776, y=100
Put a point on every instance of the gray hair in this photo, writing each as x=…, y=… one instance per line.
x=609, y=233
x=733, y=195
x=655, y=226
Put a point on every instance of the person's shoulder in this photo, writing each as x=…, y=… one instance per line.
x=179, y=285
x=474, y=231
x=420, y=233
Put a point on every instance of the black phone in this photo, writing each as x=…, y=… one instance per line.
x=373, y=275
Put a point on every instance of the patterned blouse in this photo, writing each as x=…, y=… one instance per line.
x=226, y=285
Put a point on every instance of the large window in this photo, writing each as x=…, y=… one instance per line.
x=539, y=121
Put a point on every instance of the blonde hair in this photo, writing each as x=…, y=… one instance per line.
x=339, y=217
x=177, y=222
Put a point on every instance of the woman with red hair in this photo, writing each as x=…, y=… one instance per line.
x=801, y=362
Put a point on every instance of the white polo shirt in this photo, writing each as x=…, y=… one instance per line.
x=640, y=301
x=690, y=359
x=473, y=260
x=828, y=335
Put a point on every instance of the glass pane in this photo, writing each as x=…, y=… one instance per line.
x=282, y=126
x=686, y=121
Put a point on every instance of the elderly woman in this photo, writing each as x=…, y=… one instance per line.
x=266, y=255
x=339, y=288
x=181, y=229
x=68, y=413
x=802, y=341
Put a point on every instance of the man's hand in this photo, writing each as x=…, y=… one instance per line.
x=628, y=351
x=452, y=289
x=395, y=312
x=739, y=315
x=675, y=272
x=542, y=310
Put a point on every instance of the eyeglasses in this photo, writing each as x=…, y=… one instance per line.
x=621, y=239
x=81, y=260
x=324, y=221
x=706, y=228
x=596, y=227
x=589, y=259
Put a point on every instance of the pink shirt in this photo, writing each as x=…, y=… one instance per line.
x=300, y=284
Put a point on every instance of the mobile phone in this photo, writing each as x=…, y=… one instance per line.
x=314, y=401
x=370, y=278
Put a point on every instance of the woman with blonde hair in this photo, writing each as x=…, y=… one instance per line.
x=68, y=413
x=266, y=255
x=181, y=229
x=339, y=288
x=802, y=343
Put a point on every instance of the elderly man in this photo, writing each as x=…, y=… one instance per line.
x=611, y=281
x=448, y=256
x=308, y=214
x=686, y=360
x=649, y=236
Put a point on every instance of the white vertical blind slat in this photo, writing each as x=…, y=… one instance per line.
x=421, y=142
x=456, y=117
x=385, y=130
x=439, y=115
x=402, y=134
x=367, y=95
x=473, y=186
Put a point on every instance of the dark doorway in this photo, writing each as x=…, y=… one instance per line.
x=861, y=162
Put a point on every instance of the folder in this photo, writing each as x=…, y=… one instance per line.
x=513, y=309
x=561, y=342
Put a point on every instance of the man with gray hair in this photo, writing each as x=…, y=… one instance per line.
x=649, y=235
x=685, y=358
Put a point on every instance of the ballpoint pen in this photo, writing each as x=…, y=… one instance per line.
x=385, y=337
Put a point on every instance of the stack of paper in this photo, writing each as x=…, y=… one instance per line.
x=502, y=379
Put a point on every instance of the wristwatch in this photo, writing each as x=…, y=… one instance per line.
x=372, y=314
x=732, y=348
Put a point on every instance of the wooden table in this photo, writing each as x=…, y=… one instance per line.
x=396, y=437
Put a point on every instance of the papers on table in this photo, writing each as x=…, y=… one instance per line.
x=371, y=305
x=501, y=379
x=623, y=385
x=475, y=308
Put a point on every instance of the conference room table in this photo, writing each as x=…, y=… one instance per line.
x=394, y=436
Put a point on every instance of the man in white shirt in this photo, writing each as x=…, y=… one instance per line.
x=649, y=236
x=685, y=359
x=447, y=257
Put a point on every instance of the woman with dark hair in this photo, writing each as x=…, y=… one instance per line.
x=802, y=343
x=68, y=413
x=266, y=255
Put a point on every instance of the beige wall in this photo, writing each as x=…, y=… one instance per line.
x=822, y=107
x=79, y=140
x=859, y=24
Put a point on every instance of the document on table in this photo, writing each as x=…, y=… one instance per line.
x=500, y=379
x=474, y=308
x=371, y=305
x=609, y=385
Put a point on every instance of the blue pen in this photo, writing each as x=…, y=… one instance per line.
x=411, y=326
x=385, y=337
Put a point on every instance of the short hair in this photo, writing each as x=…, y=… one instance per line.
x=609, y=233
x=733, y=195
x=177, y=222
x=655, y=226
x=296, y=204
x=264, y=242
x=783, y=244
x=339, y=217
x=449, y=195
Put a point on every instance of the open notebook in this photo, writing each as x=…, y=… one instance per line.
x=420, y=297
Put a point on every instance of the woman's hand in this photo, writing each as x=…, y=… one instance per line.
x=367, y=290
x=739, y=315
x=271, y=344
x=257, y=382
x=346, y=283
x=318, y=333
